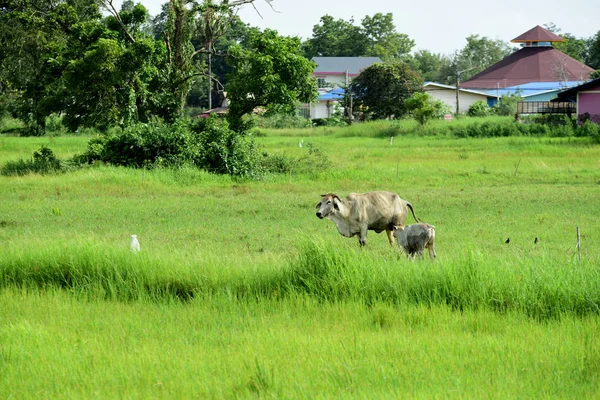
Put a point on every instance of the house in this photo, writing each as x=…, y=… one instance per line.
x=587, y=98
x=333, y=74
x=447, y=94
x=325, y=105
x=536, y=61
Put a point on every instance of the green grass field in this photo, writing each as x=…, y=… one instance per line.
x=241, y=291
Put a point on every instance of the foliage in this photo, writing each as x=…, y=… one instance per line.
x=331, y=121
x=335, y=38
x=479, y=108
x=43, y=162
x=480, y=53
x=279, y=121
x=593, y=57
x=429, y=64
x=507, y=104
x=382, y=39
x=54, y=124
x=381, y=90
x=269, y=73
x=423, y=107
x=224, y=151
x=375, y=37
x=314, y=161
x=144, y=145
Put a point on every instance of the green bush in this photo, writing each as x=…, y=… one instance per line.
x=507, y=105
x=280, y=121
x=43, y=162
x=144, y=145
x=588, y=129
x=479, y=109
x=223, y=151
x=331, y=121
x=54, y=124
x=313, y=161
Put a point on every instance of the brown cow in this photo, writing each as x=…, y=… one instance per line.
x=359, y=213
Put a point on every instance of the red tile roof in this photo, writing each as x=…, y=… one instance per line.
x=530, y=64
x=538, y=34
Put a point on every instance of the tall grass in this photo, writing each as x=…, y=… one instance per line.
x=539, y=286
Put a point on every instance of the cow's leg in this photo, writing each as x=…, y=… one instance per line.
x=362, y=239
x=432, y=254
x=390, y=235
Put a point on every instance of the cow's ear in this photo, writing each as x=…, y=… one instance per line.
x=336, y=196
x=323, y=195
x=335, y=203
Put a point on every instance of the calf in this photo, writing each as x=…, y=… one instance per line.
x=413, y=239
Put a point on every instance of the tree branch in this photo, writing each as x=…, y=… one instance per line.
x=168, y=43
x=108, y=5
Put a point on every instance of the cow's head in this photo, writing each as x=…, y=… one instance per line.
x=328, y=205
x=397, y=230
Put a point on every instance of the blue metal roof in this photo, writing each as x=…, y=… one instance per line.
x=335, y=94
x=533, y=88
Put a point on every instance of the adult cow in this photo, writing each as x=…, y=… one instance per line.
x=359, y=213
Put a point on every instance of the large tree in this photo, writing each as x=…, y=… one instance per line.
x=336, y=38
x=382, y=39
x=430, y=65
x=381, y=89
x=376, y=36
x=478, y=54
x=34, y=38
x=269, y=72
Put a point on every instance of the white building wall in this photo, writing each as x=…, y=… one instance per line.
x=334, y=80
x=448, y=96
x=321, y=109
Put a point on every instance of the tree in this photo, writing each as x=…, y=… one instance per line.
x=382, y=89
x=271, y=73
x=478, y=54
x=430, y=65
x=593, y=56
x=423, y=107
x=375, y=37
x=36, y=41
x=572, y=46
x=336, y=38
x=382, y=39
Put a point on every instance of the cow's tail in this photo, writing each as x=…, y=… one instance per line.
x=413, y=211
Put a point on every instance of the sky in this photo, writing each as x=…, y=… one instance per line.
x=437, y=25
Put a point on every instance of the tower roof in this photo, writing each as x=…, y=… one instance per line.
x=530, y=64
x=537, y=34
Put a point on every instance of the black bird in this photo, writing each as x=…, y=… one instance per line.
x=535, y=241
x=507, y=240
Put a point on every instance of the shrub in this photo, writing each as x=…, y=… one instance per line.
x=588, y=129
x=312, y=162
x=54, y=124
x=32, y=129
x=423, y=107
x=507, y=105
x=331, y=121
x=144, y=145
x=280, y=121
x=43, y=162
x=223, y=151
x=479, y=109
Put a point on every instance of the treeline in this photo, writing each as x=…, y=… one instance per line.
x=65, y=57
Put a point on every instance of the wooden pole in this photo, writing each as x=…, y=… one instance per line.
x=578, y=245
